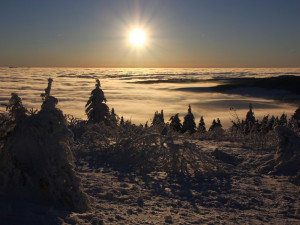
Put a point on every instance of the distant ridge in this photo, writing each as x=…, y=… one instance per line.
x=285, y=82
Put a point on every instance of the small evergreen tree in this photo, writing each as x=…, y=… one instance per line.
x=189, y=122
x=201, y=126
x=283, y=120
x=295, y=120
x=15, y=107
x=272, y=123
x=175, y=123
x=158, y=118
x=96, y=109
x=122, y=121
x=215, y=125
x=264, y=124
x=250, y=120
x=114, y=118
x=219, y=123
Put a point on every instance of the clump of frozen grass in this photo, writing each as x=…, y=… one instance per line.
x=36, y=163
x=146, y=150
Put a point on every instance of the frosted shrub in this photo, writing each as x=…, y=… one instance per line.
x=287, y=157
x=36, y=163
x=147, y=150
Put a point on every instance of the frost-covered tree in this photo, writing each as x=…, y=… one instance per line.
x=175, y=123
x=201, y=126
x=15, y=107
x=36, y=163
x=189, y=122
x=95, y=108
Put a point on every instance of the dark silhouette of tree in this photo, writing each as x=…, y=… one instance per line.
x=295, y=120
x=161, y=116
x=201, y=126
x=250, y=120
x=296, y=115
x=158, y=118
x=122, y=121
x=175, y=123
x=264, y=124
x=96, y=109
x=215, y=125
x=272, y=123
x=283, y=120
x=15, y=107
x=189, y=122
x=114, y=118
x=219, y=123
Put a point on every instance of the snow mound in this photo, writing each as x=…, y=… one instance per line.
x=287, y=158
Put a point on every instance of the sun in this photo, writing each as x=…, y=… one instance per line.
x=137, y=37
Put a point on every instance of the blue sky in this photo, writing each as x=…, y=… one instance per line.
x=180, y=33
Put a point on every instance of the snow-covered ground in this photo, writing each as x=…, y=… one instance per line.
x=120, y=196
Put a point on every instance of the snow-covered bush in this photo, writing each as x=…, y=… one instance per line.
x=287, y=158
x=36, y=163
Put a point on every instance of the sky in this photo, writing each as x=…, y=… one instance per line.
x=179, y=33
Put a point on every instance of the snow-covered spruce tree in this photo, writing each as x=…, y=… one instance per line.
x=95, y=108
x=201, y=126
x=36, y=163
x=15, y=107
x=175, y=123
x=189, y=122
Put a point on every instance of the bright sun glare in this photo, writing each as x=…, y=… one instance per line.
x=137, y=37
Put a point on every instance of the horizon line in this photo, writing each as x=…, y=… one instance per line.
x=166, y=67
